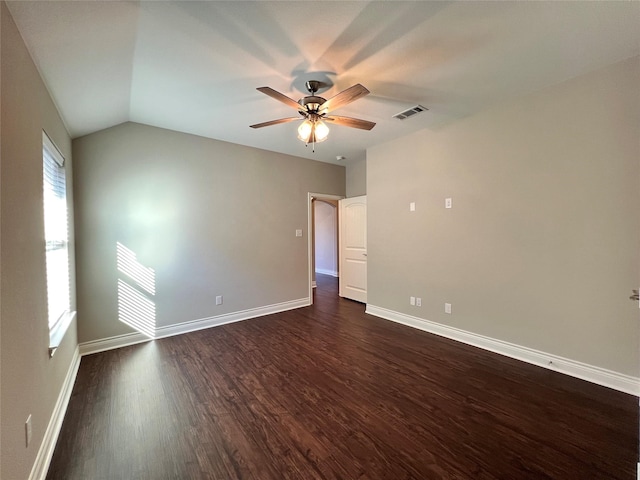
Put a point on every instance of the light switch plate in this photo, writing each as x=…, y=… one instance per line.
x=412, y=207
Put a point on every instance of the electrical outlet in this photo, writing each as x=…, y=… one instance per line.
x=298, y=233
x=27, y=430
x=448, y=202
x=418, y=302
x=447, y=308
x=219, y=300
x=412, y=301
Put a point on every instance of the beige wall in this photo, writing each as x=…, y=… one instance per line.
x=211, y=218
x=31, y=381
x=541, y=247
x=357, y=178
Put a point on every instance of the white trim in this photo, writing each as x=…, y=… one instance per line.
x=314, y=284
x=591, y=373
x=48, y=445
x=322, y=271
x=201, y=324
x=111, y=343
x=310, y=197
x=104, y=344
x=57, y=333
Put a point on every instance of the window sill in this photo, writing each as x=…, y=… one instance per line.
x=57, y=333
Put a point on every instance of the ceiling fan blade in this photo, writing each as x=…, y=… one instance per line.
x=346, y=96
x=275, y=122
x=280, y=97
x=351, y=122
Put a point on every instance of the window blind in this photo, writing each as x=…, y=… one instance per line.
x=56, y=232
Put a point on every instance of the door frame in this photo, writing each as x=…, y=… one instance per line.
x=311, y=233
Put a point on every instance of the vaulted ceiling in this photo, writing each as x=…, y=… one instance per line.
x=194, y=66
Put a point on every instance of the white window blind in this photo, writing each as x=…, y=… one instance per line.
x=56, y=232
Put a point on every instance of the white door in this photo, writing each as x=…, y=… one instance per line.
x=353, y=248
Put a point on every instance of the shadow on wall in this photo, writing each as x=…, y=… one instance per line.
x=136, y=289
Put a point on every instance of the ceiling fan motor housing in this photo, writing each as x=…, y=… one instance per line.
x=312, y=103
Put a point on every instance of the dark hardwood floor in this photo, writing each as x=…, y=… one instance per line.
x=327, y=392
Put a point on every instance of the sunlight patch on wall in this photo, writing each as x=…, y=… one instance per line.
x=136, y=310
x=135, y=288
x=128, y=264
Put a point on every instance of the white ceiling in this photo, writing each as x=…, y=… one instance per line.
x=194, y=66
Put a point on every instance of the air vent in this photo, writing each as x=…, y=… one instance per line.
x=411, y=112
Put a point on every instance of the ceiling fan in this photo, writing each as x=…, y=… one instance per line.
x=315, y=111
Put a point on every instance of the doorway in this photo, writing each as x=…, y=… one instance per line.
x=323, y=228
x=325, y=239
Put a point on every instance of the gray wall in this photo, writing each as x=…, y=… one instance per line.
x=357, y=178
x=541, y=247
x=211, y=218
x=30, y=380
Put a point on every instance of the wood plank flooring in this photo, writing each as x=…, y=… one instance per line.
x=327, y=392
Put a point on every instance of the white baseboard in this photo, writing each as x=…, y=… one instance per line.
x=223, y=319
x=600, y=376
x=322, y=271
x=110, y=343
x=119, y=341
x=48, y=445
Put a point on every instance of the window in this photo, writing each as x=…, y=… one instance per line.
x=56, y=242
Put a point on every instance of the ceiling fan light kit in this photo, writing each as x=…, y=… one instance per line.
x=315, y=111
x=313, y=131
